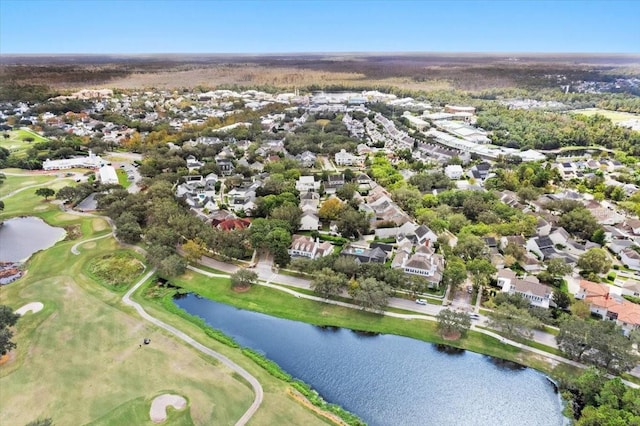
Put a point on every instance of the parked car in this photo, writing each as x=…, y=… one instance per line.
x=421, y=301
x=474, y=316
x=469, y=289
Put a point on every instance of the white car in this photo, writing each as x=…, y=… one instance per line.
x=421, y=301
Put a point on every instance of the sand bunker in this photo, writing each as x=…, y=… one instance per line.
x=33, y=307
x=158, y=412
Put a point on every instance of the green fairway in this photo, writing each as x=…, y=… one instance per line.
x=615, y=116
x=19, y=141
x=26, y=203
x=80, y=359
x=13, y=183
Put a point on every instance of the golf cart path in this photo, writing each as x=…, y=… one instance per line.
x=255, y=384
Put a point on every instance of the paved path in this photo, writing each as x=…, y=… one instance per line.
x=74, y=249
x=35, y=185
x=255, y=384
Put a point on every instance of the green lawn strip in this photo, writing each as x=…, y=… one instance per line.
x=630, y=378
x=212, y=270
x=551, y=330
x=136, y=412
x=527, y=342
x=345, y=299
x=22, y=134
x=123, y=178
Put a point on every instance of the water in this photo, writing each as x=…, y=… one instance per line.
x=20, y=237
x=391, y=380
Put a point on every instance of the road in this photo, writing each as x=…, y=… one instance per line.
x=255, y=384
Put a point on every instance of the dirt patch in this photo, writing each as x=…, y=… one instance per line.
x=158, y=411
x=39, y=208
x=7, y=358
x=241, y=289
x=89, y=245
x=454, y=335
x=73, y=232
x=304, y=401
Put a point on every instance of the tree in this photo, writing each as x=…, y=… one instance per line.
x=517, y=251
x=580, y=222
x=557, y=267
x=346, y=265
x=581, y=309
x=45, y=192
x=455, y=272
x=243, y=279
x=453, y=324
x=172, y=266
x=278, y=242
x=595, y=260
x=328, y=283
x=193, y=250
x=470, y=247
x=513, y=321
x=67, y=193
x=352, y=223
x=347, y=191
x=289, y=213
x=1, y=205
x=330, y=209
x=127, y=228
x=370, y=293
x=481, y=270
x=561, y=299
x=7, y=319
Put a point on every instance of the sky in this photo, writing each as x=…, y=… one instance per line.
x=208, y=26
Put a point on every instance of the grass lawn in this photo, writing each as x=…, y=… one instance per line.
x=79, y=361
x=615, y=116
x=122, y=178
x=13, y=183
x=26, y=203
x=16, y=143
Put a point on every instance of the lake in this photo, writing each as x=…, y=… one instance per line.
x=20, y=237
x=392, y=380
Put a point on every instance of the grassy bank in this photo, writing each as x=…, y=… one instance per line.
x=280, y=304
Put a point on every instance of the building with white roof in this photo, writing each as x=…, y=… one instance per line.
x=108, y=175
x=91, y=162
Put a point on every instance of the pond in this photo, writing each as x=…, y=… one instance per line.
x=20, y=237
x=392, y=380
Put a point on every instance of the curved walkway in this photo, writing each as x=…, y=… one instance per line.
x=255, y=384
x=24, y=188
x=74, y=249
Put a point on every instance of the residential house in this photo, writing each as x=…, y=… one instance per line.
x=529, y=287
x=303, y=246
x=344, y=158
x=233, y=224
x=425, y=236
x=609, y=306
x=453, y=171
x=333, y=183
x=616, y=246
x=480, y=171
x=634, y=225
x=309, y=222
x=307, y=159
x=630, y=258
x=309, y=200
x=193, y=163
x=364, y=255
x=225, y=165
x=306, y=184
x=387, y=248
x=424, y=263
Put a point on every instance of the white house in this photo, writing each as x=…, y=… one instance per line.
x=306, y=184
x=108, y=175
x=303, y=246
x=424, y=263
x=344, y=158
x=309, y=222
x=630, y=258
x=537, y=294
x=453, y=171
x=91, y=162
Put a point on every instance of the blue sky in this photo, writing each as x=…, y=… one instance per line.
x=87, y=26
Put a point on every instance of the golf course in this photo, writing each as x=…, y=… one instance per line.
x=82, y=359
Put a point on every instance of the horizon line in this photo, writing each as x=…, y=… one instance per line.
x=435, y=52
